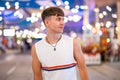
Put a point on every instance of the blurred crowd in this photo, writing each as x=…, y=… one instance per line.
x=11, y=43
x=112, y=52
x=6, y=43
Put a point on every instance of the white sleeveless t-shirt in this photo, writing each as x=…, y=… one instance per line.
x=59, y=64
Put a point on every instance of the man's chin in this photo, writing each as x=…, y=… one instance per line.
x=60, y=32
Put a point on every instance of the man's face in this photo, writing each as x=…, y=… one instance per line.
x=55, y=24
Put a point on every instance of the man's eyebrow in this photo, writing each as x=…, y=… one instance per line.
x=60, y=16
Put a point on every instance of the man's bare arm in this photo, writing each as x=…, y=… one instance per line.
x=36, y=66
x=78, y=54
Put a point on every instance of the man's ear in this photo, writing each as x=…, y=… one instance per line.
x=46, y=22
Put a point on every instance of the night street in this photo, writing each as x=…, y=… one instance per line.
x=60, y=32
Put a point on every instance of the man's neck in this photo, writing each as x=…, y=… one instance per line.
x=53, y=39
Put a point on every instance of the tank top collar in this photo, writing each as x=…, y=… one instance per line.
x=44, y=39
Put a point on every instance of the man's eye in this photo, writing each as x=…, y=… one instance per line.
x=59, y=19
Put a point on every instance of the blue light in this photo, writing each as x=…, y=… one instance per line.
x=113, y=24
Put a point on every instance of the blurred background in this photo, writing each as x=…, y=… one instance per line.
x=96, y=23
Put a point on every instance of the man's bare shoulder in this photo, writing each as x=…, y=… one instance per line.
x=33, y=51
x=34, y=54
x=77, y=46
x=76, y=41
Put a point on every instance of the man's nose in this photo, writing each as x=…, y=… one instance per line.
x=62, y=22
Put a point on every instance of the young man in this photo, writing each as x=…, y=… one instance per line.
x=56, y=56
